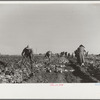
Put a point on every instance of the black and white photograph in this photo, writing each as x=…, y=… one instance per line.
x=49, y=43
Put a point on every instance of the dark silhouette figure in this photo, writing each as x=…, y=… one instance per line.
x=48, y=55
x=79, y=54
x=62, y=54
x=68, y=54
x=27, y=53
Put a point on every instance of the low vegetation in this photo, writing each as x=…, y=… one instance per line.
x=57, y=70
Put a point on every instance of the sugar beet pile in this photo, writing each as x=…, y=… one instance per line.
x=57, y=70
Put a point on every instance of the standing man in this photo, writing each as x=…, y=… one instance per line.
x=79, y=53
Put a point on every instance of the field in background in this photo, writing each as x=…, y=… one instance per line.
x=57, y=70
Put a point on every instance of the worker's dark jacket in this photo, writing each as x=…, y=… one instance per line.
x=80, y=55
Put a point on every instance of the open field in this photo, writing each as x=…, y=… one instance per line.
x=57, y=70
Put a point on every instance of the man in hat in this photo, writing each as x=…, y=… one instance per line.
x=48, y=55
x=27, y=53
x=79, y=53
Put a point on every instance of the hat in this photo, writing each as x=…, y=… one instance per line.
x=81, y=46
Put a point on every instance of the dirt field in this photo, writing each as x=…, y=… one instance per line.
x=57, y=70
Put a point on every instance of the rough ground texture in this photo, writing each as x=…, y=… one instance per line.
x=57, y=70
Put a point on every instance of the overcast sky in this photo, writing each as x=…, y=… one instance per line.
x=55, y=27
